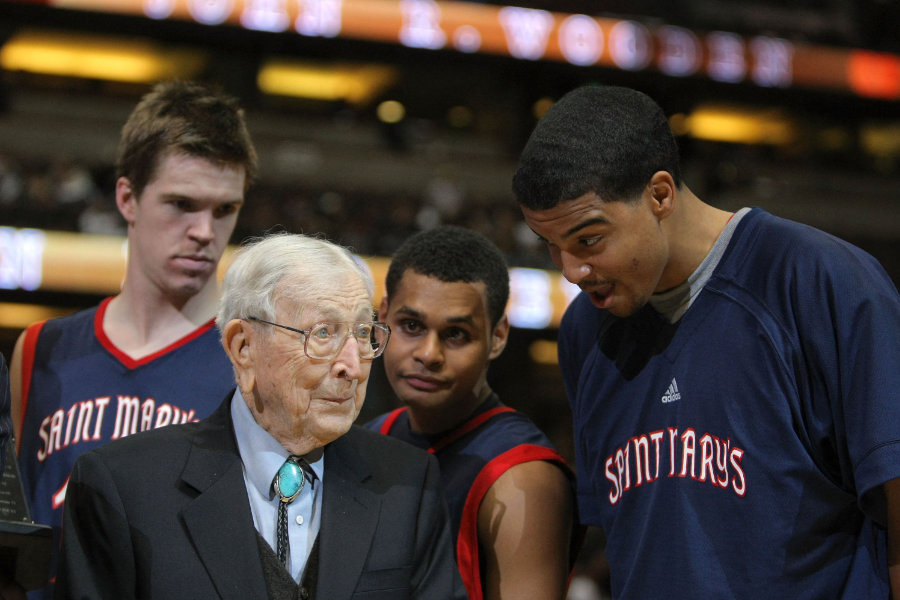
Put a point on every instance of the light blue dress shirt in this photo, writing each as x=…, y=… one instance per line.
x=262, y=456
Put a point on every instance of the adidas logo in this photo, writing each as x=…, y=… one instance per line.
x=672, y=394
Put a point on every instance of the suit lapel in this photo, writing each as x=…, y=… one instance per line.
x=349, y=517
x=218, y=520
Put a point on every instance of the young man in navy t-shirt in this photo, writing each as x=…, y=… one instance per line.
x=734, y=378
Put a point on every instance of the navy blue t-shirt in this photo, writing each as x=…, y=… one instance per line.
x=739, y=452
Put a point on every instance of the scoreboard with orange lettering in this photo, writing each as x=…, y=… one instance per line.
x=532, y=34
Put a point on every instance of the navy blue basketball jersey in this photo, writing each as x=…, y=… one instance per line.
x=80, y=391
x=740, y=452
x=471, y=458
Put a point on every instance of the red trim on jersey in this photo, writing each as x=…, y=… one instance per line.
x=467, y=539
x=390, y=420
x=126, y=360
x=468, y=426
x=29, y=343
x=467, y=555
x=454, y=435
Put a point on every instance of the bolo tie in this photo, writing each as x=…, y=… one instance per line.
x=288, y=483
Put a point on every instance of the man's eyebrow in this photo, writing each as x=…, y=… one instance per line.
x=539, y=236
x=332, y=315
x=585, y=224
x=576, y=228
x=175, y=196
x=170, y=196
x=464, y=319
x=410, y=312
x=416, y=314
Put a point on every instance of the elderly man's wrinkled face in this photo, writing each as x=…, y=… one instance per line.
x=306, y=403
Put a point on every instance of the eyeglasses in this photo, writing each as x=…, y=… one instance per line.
x=323, y=341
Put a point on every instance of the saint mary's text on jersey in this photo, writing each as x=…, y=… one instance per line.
x=83, y=421
x=704, y=458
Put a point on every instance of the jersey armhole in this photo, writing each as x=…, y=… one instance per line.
x=29, y=346
x=467, y=552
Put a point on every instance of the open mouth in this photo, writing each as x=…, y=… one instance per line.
x=601, y=296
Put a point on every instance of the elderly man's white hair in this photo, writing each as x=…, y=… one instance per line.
x=260, y=264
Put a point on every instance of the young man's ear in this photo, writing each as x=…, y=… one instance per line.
x=662, y=193
x=499, y=337
x=126, y=199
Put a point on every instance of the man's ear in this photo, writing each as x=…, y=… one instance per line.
x=662, y=193
x=237, y=339
x=499, y=337
x=126, y=199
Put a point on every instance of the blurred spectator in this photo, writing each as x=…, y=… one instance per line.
x=11, y=185
x=67, y=195
x=100, y=217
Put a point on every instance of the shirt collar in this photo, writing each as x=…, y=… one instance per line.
x=261, y=454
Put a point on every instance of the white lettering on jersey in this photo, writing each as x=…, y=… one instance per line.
x=83, y=422
x=77, y=426
x=739, y=484
x=705, y=459
x=688, y=452
x=59, y=498
x=126, y=416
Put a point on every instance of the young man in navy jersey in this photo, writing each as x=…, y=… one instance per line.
x=149, y=356
x=509, y=492
x=734, y=378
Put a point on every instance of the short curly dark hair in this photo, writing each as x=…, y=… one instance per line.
x=451, y=253
x=603, y=139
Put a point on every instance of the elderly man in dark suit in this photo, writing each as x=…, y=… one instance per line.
x=277, y=494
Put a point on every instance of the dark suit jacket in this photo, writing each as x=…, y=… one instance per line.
x=164, y=514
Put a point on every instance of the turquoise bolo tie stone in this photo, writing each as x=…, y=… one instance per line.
x=289, y=481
